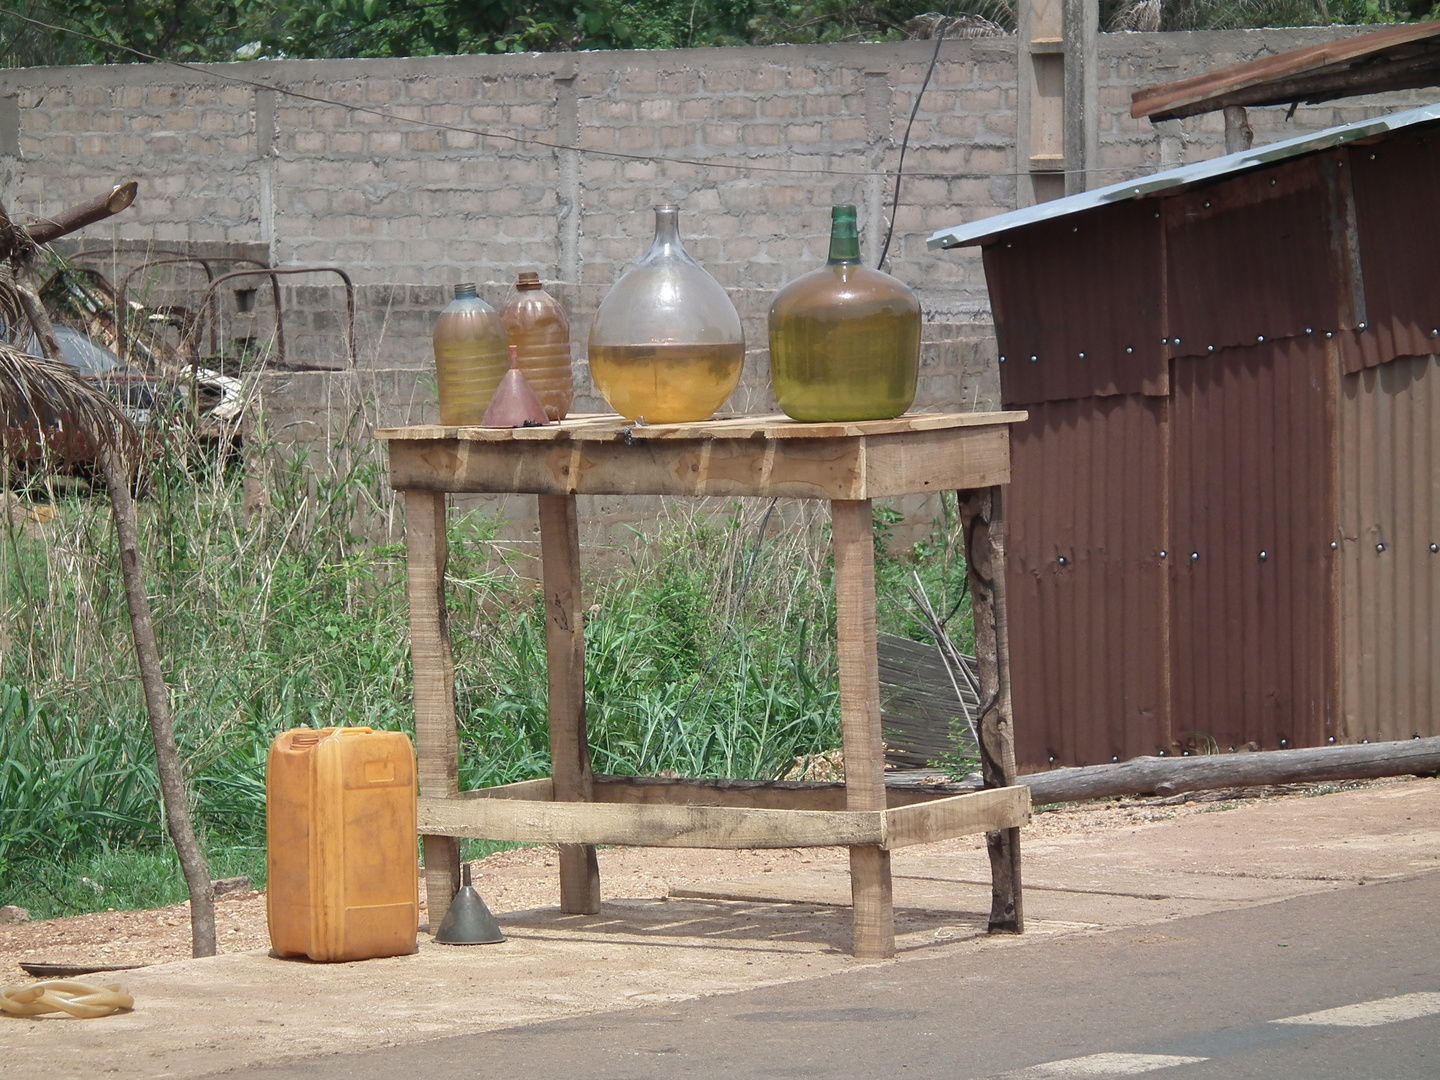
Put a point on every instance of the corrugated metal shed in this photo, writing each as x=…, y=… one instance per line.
x=1223, y=494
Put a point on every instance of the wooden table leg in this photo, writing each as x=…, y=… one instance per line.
x=983, y=523
x=565, y=658
x=437, y=746
x=854, y=540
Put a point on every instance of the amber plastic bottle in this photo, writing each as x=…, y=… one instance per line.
x=666, y=344
x=536, y=325
x=470, y=357
x=844, y=339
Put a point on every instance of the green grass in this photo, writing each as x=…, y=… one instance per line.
x=295, y=615
x=134, y=878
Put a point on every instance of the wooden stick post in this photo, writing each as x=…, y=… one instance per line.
x=980, y=517
x=853, y=536
x=436, y=742
x=565, y=656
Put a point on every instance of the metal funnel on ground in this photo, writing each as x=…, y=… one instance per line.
x=468, y=922
x=514, y=404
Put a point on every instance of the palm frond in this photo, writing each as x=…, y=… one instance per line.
x=26, y=381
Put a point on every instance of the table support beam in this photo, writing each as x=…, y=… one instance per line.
x=565, y=655
x=854, y=540
x=983, y=525
x=437, y=743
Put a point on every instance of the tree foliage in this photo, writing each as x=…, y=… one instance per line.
x=210, y=30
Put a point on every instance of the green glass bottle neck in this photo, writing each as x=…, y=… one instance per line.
x=844, y=237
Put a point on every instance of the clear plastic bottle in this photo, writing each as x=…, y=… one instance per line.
x=666, y=344
x=470, y=357
x=844, y=339
x=536, y=325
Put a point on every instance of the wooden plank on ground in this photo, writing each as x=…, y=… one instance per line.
x=647, y=825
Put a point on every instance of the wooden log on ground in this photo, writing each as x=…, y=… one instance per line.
x=1172, y=776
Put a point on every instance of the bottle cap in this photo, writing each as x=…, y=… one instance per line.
x=528, y=280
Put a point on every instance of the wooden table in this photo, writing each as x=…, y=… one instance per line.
x=848, y=464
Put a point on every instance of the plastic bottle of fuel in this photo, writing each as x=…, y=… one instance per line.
x=470, y=357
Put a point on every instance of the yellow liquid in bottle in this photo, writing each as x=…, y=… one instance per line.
x=666, y=384
x=844, y=345
x=536, y=325
x=470, y=358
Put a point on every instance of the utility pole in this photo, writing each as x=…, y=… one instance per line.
x=1058, y=133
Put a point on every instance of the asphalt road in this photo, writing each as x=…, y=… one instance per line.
x=1183, y=1000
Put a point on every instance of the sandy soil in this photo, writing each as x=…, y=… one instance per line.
x=525, y=880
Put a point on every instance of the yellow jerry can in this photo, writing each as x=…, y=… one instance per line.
x=340, y=844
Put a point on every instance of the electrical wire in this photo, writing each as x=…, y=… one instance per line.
x=905, y=142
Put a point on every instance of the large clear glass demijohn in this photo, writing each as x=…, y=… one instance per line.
x=666, y=345
x=844, y=339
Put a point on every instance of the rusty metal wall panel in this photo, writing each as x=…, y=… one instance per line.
x=1389, y=469
x=1253, y=636
x=1250, y=259
x=1087, y=636
x=1396, y=186
x=1082, y=297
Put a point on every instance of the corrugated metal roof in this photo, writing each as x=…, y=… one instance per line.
x=978, y=232
x=1398, y=58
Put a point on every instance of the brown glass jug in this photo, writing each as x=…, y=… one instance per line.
x=844, y=339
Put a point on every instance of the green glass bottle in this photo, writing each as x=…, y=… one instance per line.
x=844, y=339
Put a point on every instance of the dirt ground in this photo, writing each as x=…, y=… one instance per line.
x=526, y=879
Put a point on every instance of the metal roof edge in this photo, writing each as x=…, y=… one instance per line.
x=978, y=231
